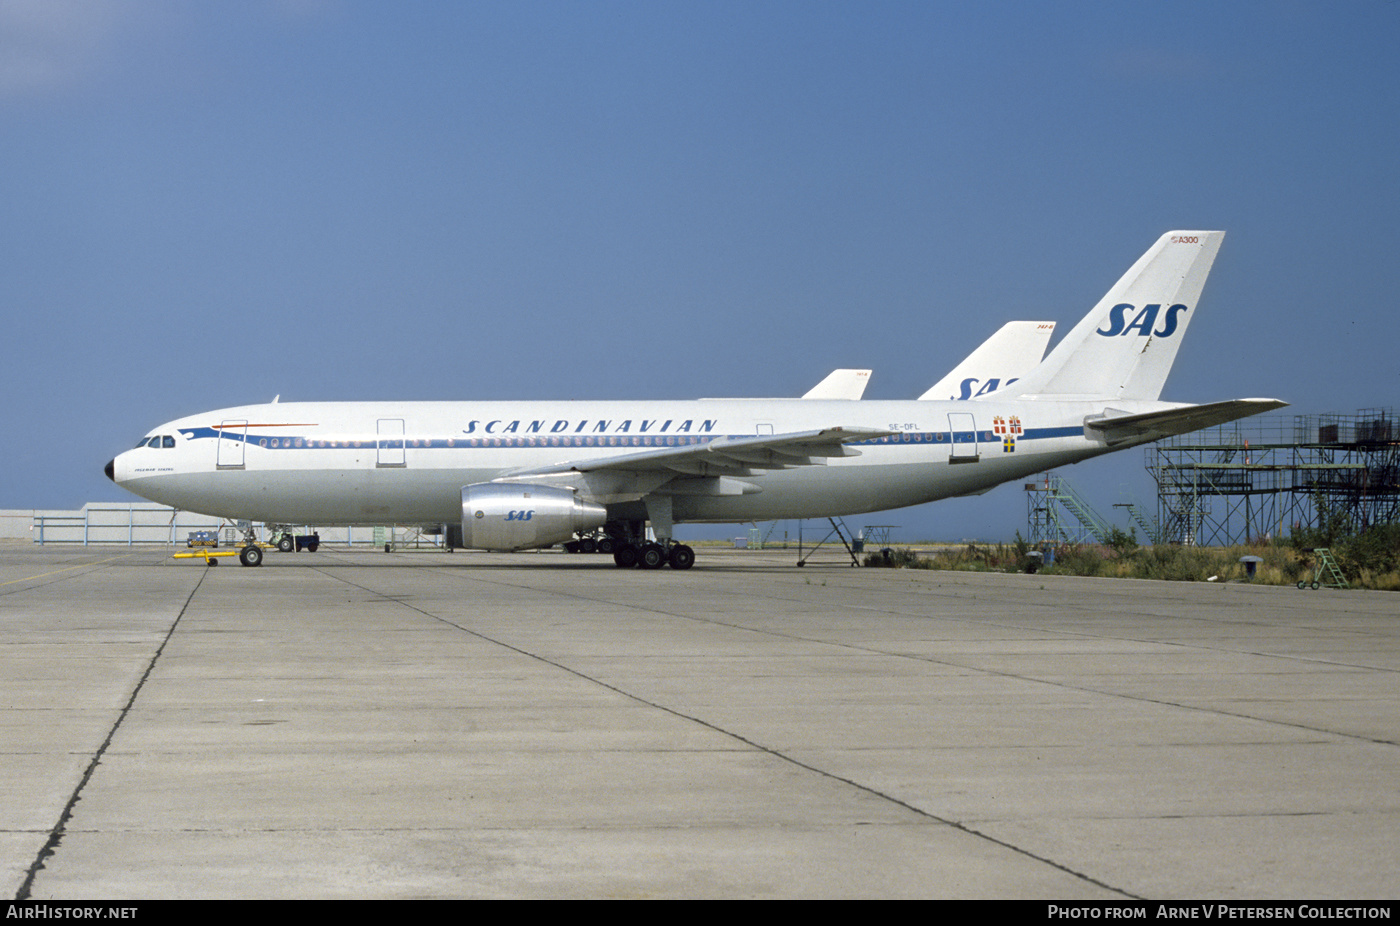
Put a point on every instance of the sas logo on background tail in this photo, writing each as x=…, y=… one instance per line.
x=989, y=385
x=1142, y=322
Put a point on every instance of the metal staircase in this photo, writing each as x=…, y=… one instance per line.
x=1058, y=514
x=1150, y=528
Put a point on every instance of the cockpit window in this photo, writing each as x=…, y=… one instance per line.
x=143, y=442
x=167, y=441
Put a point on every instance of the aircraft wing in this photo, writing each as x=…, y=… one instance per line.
x=724, y=456
x=696, y=469
x=1120, y=428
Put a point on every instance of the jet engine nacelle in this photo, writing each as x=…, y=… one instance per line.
x=518, y=516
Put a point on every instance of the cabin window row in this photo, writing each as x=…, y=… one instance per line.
x=275, y=443
x=398, y=442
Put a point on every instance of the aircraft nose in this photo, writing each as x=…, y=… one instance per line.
x=111, y=469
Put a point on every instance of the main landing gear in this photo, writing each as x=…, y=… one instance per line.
x=629, y=546
x=653, y=555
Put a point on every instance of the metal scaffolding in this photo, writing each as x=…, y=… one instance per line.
x=1267, y=476
x=1055, y=513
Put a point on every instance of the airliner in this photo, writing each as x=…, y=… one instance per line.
x=529, y=474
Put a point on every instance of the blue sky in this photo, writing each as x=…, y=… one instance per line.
x=209, y=203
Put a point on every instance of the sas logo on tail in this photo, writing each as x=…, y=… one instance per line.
x=989, y=385
x=1142, y=322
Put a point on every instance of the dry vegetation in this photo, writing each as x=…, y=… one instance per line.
x=1369, y=559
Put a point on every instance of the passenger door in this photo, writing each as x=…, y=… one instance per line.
x=964, y=434
x=233, y=435
x=390, y=443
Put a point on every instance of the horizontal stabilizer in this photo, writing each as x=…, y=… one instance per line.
x=1149, y=426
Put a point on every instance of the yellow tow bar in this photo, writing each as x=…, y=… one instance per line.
x=211, y=557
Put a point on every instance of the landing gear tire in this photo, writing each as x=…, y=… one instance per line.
x=607, y=545
x=286, y=544
x=651, y=556
x=681, y=557
x=251, y=556
x=588, y=545
x=625, y=556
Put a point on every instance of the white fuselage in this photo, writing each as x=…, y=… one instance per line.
x=334, y=463
x=515, y=475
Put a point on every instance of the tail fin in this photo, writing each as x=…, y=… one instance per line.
x=1125, y=347
x=1006, y=356
x=840, y=384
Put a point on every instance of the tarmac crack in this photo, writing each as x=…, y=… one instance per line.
x=1030, y=679
x=60, y=827
x=753, y=744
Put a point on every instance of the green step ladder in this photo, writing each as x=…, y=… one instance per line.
x=1326, y=574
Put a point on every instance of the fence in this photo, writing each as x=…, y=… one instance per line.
x=145, y=522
